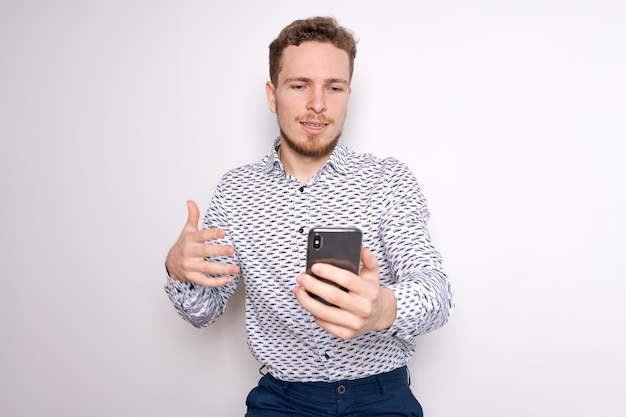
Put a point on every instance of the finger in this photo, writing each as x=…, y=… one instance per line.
x=328, y=292
x=336, y=321
x=312, y=305
x=217, y=268
x=210, y=282
x=193, y=216
x=206, y=235
x=339, y=330
x=197, y=245
x=370, y=266
x=212, y=250
x=368, y=259
x=197, y=271
x=339, y=276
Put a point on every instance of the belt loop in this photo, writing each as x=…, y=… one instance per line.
x=408, y=375
x=285, y=385
x=381, y=384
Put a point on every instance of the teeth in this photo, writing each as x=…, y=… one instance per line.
x=314, y=125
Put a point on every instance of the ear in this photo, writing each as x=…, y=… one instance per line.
x=271, y=96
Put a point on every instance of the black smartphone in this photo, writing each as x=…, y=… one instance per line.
x=338, y=246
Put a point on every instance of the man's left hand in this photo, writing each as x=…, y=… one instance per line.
x=364, y=307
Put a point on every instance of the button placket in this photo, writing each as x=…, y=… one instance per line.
x=302, y=217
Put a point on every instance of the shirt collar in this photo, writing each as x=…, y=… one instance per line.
x=340, y=160
x=272, y=161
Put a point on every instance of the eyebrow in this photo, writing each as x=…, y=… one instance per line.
x=309, y=80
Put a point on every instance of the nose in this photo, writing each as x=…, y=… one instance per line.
x=317, y=101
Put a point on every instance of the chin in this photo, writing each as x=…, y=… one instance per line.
x=313, y=146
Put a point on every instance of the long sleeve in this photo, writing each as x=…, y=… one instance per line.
x=199, y=305
x=423, y=291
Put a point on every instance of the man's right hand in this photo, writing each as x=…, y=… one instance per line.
x=186, y=259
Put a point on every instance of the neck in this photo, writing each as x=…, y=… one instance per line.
x=301, y=167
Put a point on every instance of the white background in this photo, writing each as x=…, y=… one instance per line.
x=114, y=113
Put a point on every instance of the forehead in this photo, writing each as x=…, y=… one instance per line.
x=314, y=60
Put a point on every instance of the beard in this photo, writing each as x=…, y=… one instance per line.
x=312, y=147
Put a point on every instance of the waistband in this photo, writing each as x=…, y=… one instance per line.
x=387, y=381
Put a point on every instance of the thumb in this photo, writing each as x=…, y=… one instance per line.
x=193, y=216
x=370, y=265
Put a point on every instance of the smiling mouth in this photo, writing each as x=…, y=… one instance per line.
x=314, y=125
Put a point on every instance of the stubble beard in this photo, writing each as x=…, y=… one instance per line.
x=312, y=148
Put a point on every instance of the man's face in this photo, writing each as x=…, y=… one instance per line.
x=311, y=97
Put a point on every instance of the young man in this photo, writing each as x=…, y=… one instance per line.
x=346, y=359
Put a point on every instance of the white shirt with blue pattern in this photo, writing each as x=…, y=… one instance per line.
x=267, y=214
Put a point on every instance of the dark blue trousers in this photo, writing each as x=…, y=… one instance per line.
x=381, y=395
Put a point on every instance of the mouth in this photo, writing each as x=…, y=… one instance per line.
x=314, y=125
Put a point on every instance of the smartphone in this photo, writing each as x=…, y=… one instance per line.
x=338, y=246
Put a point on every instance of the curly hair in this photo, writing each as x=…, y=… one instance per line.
x=319, y=29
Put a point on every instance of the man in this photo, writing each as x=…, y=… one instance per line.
x=346, y=359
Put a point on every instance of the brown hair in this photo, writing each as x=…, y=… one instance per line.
x=319, y=29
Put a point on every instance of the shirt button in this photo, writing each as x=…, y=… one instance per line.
x=341, y=389
x=301, y=189
x=301, y=230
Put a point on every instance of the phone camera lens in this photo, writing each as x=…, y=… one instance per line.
x=317, y=242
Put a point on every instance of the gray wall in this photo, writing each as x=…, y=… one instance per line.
x=114, y=113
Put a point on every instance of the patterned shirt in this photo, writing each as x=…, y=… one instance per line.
x=267, y=214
